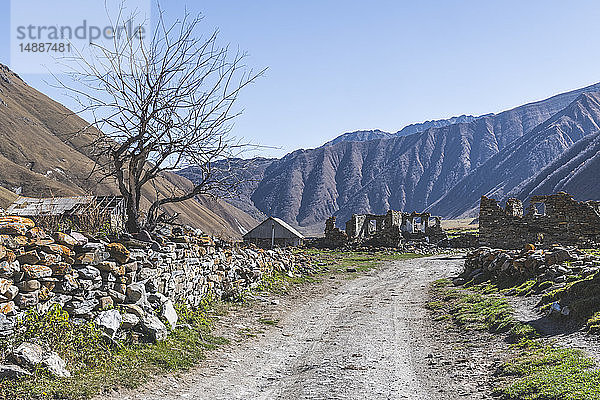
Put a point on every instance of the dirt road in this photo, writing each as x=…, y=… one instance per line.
x=365, y=338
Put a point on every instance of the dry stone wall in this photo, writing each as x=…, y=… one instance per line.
x=130, y=285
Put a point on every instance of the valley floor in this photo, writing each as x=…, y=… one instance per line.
x=364, y=338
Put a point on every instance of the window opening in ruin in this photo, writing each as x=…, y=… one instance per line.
x=372, y=226
x=539, y=208
x=417, y=225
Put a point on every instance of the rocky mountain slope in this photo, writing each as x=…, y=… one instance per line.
x=576, y=171
x=363, y=136
x=40, y=153
x=503, y=173
x=415, y=171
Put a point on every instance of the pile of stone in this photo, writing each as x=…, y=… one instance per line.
x=126, y=285
x=557, y=264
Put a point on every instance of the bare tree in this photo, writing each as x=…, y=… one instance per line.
x=160, y=107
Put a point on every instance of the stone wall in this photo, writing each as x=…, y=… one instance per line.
x=142, y=278
x=556, y=218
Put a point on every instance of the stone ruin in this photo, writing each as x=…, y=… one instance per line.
x=388, y=230
x=551, y=219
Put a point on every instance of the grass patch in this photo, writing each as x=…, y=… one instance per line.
x=550, y=373
x=98, y=365
x=267, y=321
x=536, y=370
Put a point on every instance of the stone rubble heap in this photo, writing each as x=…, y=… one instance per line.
x=128, y=286
x=558, y=264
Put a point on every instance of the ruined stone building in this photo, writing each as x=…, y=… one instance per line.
x=551, y=219
x=385, y=230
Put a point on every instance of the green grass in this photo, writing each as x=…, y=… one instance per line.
x=98, y=366
x=536, y=370
x=267, y=321
x=550, y=373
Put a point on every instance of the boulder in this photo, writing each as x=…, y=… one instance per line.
x=55, y=365
x=129, y=321
x=109, y=321
x=154, y=329
x=29, y=355
x=169, y=314
x=9, y=371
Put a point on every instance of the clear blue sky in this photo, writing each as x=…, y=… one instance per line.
x=337, y=66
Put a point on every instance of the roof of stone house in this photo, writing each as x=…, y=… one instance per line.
x=30, y=206
x=284, y=224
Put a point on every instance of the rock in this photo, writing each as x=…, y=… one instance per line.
x=30, y=286
x=68, y=285
x=11, y=225
x=136, y=292
x=118, y=251
x=109, y=322
x=134, y=309
x=8, y=269
x=12, y=292
x=61, y=269
x=57, y=249
x=27, y=300
x=37, y=271
x=7, y=325
x=5, y=284
x=79, y=238
x=105, y=302
x=116, y=296
x=55, y=365
x=7, y=308
x=154, y=328
x=169, y=314
x=129, y=321
x=88, y=272
x=66, y=240
x=80, y=308
x=29, y=355
x=29, y=257
x=9, y=371
x=111, y=266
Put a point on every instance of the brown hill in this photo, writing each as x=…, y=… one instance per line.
x=41, y=154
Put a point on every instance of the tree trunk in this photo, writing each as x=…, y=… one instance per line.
x=132, y=224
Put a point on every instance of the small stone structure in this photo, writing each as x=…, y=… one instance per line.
x=556, y=218
x=388, y=230
x=274, y=232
